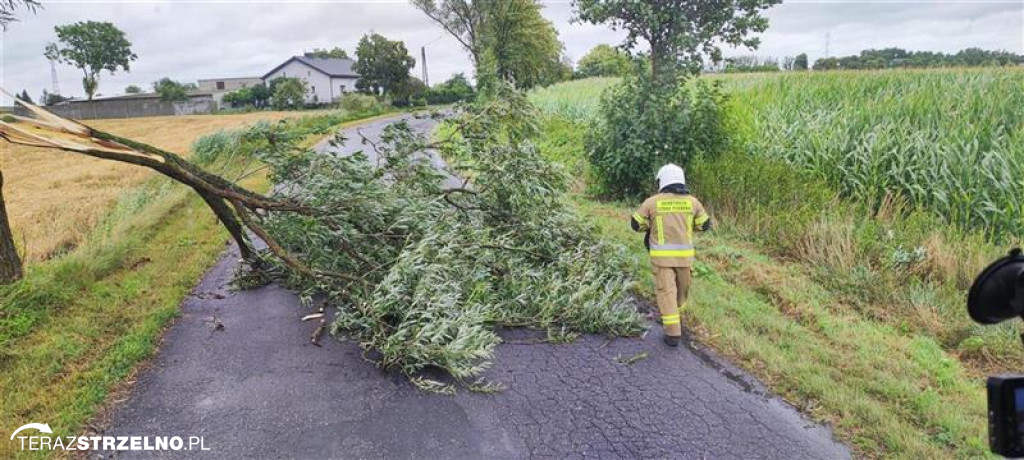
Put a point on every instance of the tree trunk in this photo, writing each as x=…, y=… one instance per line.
x=10, y=263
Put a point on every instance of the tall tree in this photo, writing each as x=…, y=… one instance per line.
x=603, y=61
x=92, y=47
x=680, y=33
x=333, y=53
x=523, y=44
x=383, y=65
x=507, y=39
x=7, y=8
x=25, y=97
x=260, y=95
x=462, y=19
x=800, y=62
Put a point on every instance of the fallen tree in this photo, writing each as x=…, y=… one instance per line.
x=420, y=274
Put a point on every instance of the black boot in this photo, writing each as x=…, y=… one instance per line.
x=671, y=340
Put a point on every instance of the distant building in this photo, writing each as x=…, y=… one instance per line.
x=326, y=79
x=227, y=85
x=218, y=87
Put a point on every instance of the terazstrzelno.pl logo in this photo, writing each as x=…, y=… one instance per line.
x=43, y=440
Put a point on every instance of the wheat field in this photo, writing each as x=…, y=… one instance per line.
x=54, y=198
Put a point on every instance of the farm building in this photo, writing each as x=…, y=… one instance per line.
x=218, y=87
x=326, y=79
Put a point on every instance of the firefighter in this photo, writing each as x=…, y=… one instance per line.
x=669, y=219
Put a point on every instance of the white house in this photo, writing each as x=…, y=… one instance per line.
x=326, y=79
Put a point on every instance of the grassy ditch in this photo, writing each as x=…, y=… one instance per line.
x=78, y=325
x=893, y=187
x=889, y=385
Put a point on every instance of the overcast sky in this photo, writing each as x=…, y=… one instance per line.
x=188, y=40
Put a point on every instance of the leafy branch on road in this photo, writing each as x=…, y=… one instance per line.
x=421, y=276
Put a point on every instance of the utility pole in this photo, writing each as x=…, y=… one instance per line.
x=423, y=59
x=53, y=77
x=828, y=39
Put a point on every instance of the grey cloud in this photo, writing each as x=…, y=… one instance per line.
x=191, y=40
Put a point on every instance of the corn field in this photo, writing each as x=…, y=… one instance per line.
x=947, y=141
x=576, y=100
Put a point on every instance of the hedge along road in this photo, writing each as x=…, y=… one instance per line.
x=258, y=388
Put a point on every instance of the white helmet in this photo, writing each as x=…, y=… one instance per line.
x=670, y=174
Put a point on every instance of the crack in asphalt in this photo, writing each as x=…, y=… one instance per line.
x=258, y=388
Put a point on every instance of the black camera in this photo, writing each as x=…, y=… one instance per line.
x=1006, y=415
x=998, y=295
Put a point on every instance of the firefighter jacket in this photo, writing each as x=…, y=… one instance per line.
x=670, y=218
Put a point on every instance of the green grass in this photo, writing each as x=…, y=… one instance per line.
x=77, y=326
x=103, y=310
x=887, y=393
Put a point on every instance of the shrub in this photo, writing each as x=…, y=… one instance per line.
x=171, y=90
x=287, y=93
x=640, y=127
x=456, y=89
x=358, y=103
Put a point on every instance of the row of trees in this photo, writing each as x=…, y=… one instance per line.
x=898, y=57
x=877, y=59
x=746, y=64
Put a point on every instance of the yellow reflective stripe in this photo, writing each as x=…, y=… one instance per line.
x=661, y=230
x=701, y=219
x=640, y=220
x=673, y=253
x=689, y=223
x=670, y=206
x=669, y=320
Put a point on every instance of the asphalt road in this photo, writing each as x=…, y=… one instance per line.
x=258, y=388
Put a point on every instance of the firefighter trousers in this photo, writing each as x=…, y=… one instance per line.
x=673, y=286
